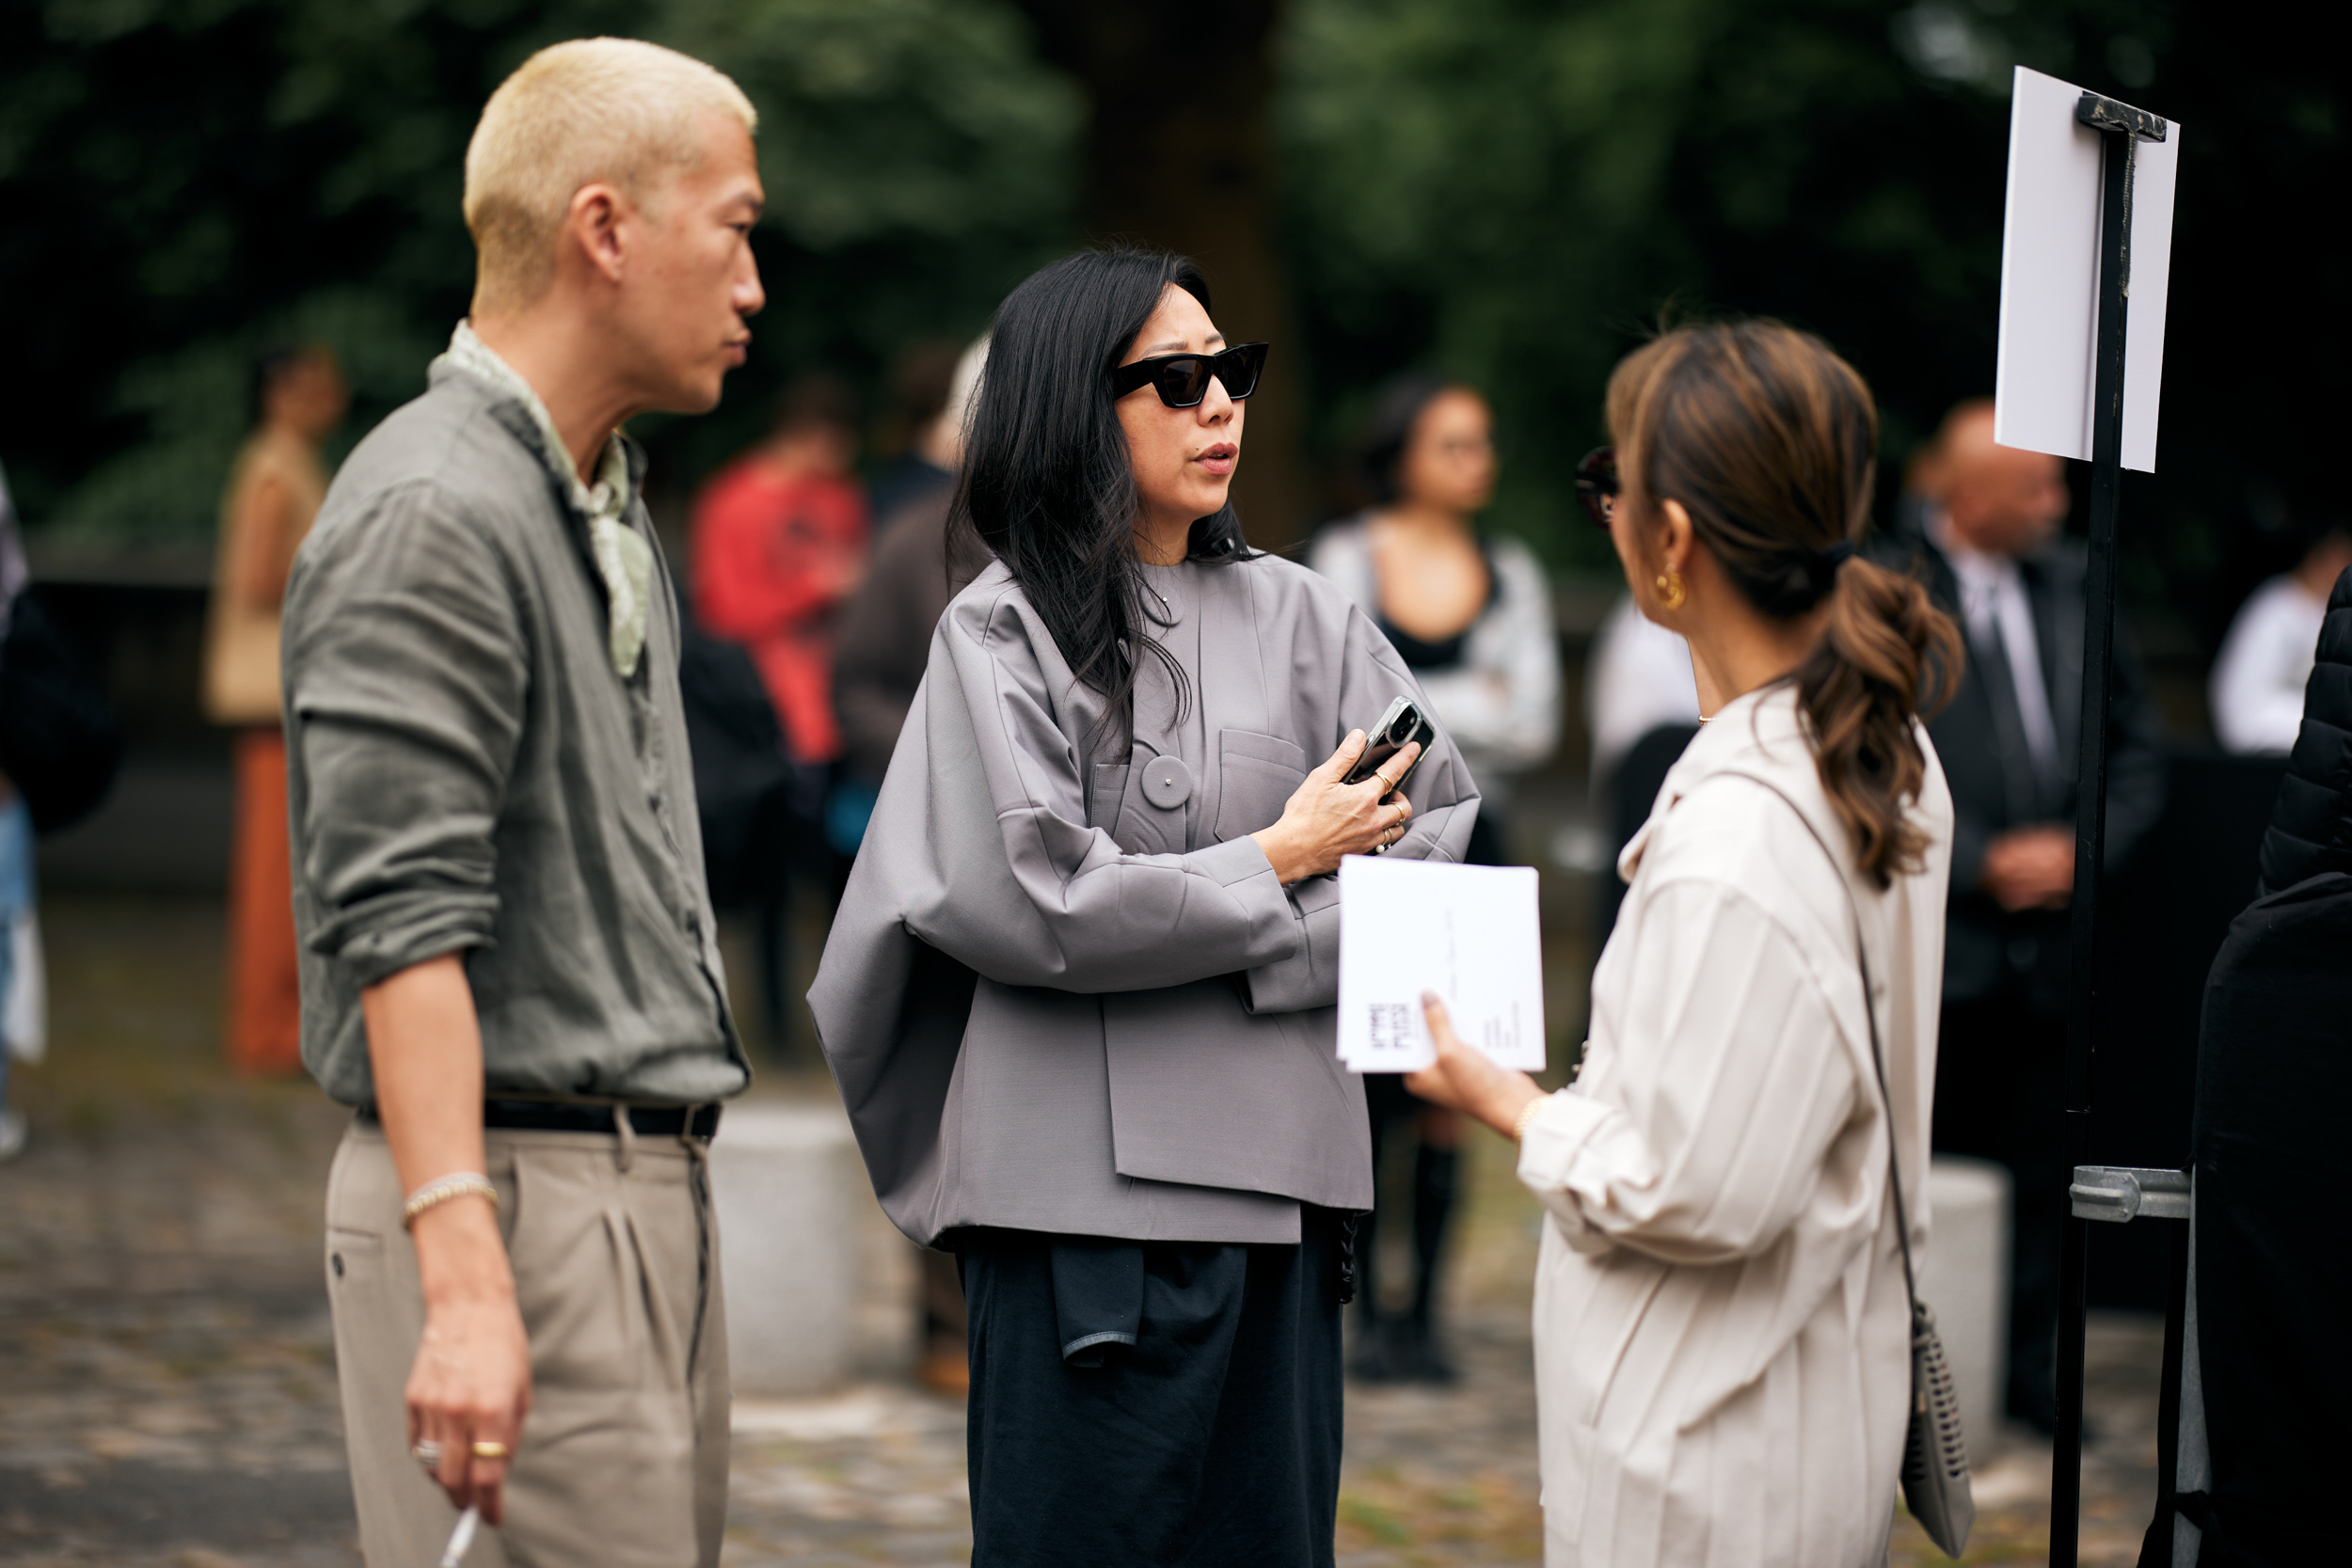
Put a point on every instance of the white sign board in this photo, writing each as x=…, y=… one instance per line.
x=2043, y=383
x=1468, y=932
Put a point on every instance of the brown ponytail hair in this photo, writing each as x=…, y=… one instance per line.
x=1768, y=441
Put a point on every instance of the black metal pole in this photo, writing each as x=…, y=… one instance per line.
x=2119, y=139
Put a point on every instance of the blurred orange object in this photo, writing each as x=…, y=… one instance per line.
x=946, y=1371
x=776, y=552
x=264, y=1021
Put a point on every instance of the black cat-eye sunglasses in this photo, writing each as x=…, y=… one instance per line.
x=1182, y=379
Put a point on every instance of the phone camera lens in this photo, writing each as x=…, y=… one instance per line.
x=1402, y=731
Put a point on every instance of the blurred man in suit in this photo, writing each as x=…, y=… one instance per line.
x=1987, y=544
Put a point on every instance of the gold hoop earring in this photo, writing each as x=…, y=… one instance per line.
x=1671, y=591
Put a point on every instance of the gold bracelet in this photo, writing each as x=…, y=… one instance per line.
x=1527, y=1114
x=463, y=1184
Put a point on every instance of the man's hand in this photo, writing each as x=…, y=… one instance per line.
x=1325, y=819
x=472, y=1380
x=1468, y=1080
x=2030, y=869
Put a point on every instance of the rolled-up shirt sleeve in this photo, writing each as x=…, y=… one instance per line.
x=1706, y=1137
x=405, y=669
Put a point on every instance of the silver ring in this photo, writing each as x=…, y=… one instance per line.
x=427, y=1453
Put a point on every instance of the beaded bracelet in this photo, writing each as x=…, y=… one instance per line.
x=463, y=1184
x=1527, y=1114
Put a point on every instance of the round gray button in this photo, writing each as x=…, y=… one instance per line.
x=1167, y=783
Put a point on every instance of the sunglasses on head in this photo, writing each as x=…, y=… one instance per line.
x=1182, y=379
x=1596, y=485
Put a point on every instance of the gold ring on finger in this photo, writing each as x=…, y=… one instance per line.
x=482, y=1450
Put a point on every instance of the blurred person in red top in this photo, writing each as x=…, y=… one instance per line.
x=779, y=542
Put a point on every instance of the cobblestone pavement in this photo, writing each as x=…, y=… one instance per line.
x=166, y=1381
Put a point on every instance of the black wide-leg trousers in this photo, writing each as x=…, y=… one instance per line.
x=1211, y=1441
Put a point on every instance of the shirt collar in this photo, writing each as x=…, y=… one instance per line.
x=610, y=495
x=1969, y=564
x=1760, y=731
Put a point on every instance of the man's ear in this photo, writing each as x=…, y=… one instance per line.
x=593, y=228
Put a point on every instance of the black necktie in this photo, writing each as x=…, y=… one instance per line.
x=2018, y=781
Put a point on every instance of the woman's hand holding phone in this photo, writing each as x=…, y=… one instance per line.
x=1328, y=818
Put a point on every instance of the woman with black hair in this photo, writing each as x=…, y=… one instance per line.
x=1469, y=613
x=1079, y=995
x=1471, y=618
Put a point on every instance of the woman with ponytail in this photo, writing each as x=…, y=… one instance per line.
x=1722, y=1319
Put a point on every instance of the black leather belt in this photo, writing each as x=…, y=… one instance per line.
x=566, y=1115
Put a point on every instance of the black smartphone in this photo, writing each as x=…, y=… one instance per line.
x=1400, y=725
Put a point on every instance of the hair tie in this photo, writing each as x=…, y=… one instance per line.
x=1837, y=554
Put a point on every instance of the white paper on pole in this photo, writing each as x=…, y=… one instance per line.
x=2153, y=183
x=2044, y=377
x=1470, y=933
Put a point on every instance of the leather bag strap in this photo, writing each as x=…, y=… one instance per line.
x=1869, y=1011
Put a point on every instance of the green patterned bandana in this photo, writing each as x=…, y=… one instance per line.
x=623, y=558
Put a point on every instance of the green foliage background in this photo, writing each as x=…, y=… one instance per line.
x=1513, y=190
x=186, y=182
x=1554, y=180
x=1516, y=190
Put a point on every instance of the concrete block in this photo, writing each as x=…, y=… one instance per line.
x=791, y=1196
x=1965, y=1276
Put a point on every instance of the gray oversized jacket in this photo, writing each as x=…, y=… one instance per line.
x=466, y=774
x=1064, y=991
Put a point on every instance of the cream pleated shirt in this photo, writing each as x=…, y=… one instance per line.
x=1722, y=1332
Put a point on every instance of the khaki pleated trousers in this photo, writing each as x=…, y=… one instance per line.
x=623, y=1460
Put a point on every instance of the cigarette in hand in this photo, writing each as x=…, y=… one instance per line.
x=461, y=1538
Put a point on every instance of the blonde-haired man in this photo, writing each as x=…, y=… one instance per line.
x=609, y=109
x=510, y=968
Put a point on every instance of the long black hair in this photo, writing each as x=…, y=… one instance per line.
x=1047, y=484
x=1388, y=432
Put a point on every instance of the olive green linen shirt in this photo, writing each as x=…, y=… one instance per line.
x=467, y=772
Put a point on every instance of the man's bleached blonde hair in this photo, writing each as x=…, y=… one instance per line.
x=593, y=110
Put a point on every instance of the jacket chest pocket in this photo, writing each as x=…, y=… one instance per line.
x=1257, y=774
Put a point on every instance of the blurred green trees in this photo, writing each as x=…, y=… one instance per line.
x=184, y=182
x=1513, y=190
x=1527, y=188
